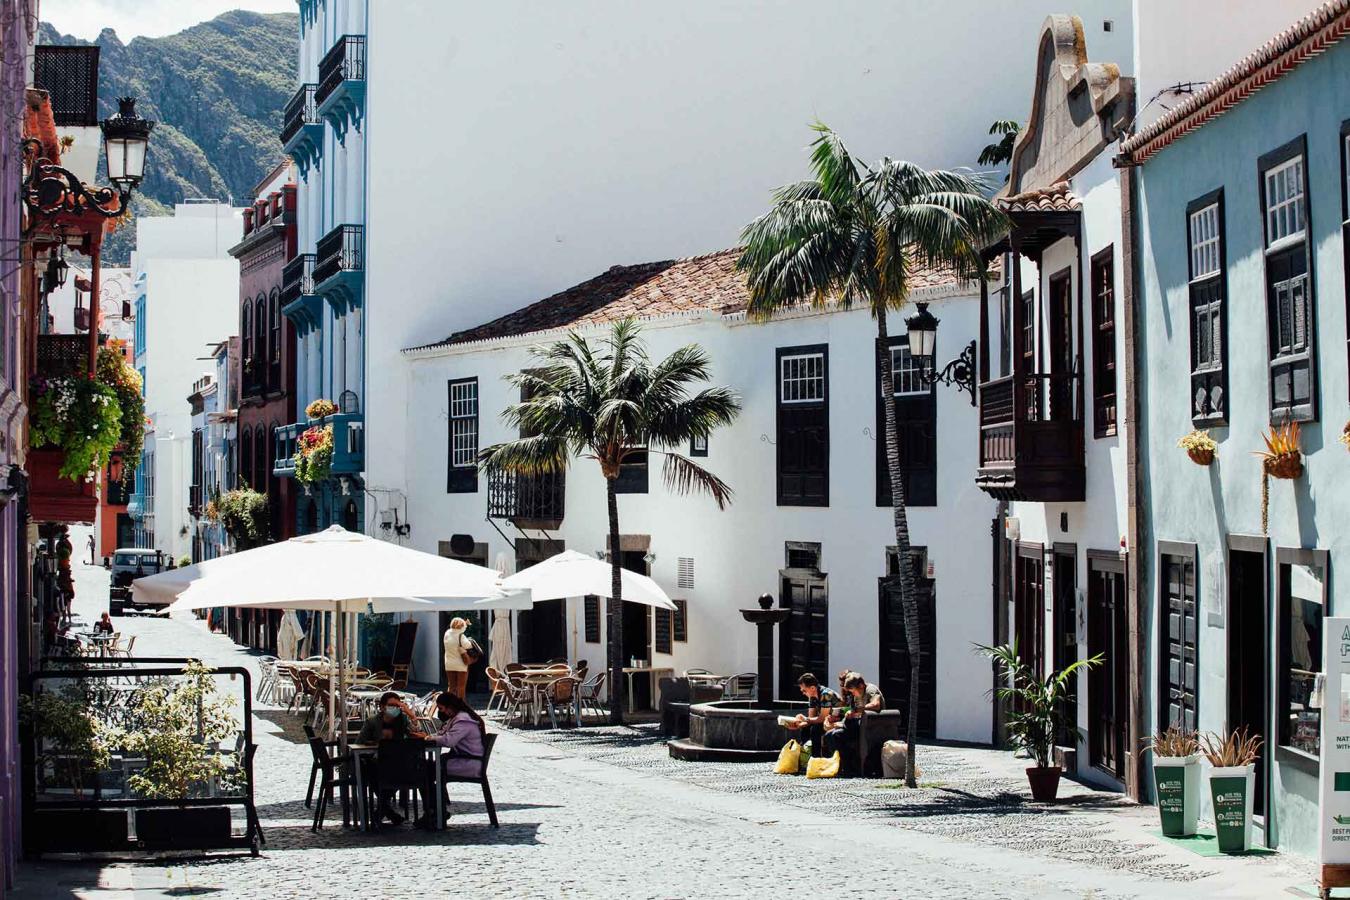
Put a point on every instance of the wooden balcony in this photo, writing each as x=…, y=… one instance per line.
x=527, y=501
x=1031, y=445
x=52, y=498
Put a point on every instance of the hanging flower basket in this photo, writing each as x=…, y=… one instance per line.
x=314, y=455
x=321, y=409
x=1199, y=446
x=1282, y=457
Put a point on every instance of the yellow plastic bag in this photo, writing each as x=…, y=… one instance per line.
x=789, y=759
x=823, y=766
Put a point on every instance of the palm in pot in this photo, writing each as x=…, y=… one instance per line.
x=1036, y=714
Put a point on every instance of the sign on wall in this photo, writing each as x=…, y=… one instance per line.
x=1334, y=790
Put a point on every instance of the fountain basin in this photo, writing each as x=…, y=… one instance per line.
x=734, y=731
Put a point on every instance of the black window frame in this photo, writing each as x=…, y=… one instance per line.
x=590, y=605
x=663, y=638
x=784, y=413
x=1274, y=261
x=1209, y=293
x=698, y=446
x=1105, y=404
x=920, y=479
x=680, y=626
x=461, y=479
x=633, y=472
x=1286, y=557
x=261, y=358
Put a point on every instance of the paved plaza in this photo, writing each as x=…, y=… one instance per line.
x=604, y=812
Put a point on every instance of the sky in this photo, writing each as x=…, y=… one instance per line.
x=151, y=18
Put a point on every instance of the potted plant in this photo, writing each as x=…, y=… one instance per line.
x=314, y=454
x=243, y=514
x=1233, y=761
x=78, y=417
x=72, y=748
x=1199, y=446
x=176, y=725
x=1036, y=714
x=1282, y=459
x=125, y=381
x=1176, y=779
x=321, y=409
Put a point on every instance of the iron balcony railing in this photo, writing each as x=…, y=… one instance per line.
x=538, y=498
x=345, y=61
x=340, y=250
x=302, y=110
x=297, y=278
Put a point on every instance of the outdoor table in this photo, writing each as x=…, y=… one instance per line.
x=538, y=679
x=357, y=751
x=650, y=672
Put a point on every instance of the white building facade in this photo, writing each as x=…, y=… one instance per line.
x=186, y=295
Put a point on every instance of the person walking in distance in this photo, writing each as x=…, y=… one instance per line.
x=91, y=550
x=457, y=659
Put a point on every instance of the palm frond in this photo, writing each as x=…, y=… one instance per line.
x=684, y=476
x=527, y=456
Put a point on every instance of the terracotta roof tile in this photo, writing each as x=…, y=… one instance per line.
x=1306, y=38
x=1055, y=198
x=707, y=283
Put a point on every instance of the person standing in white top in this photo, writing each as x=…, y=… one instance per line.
x=456, y=666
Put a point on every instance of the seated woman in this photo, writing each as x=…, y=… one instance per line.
x=461, y=732
x=820, y=701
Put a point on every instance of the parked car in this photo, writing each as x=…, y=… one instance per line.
x=129, y=563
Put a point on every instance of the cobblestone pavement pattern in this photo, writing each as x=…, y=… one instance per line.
x=604, y=812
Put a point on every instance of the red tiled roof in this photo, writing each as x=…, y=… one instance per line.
x=707, y=283
x=1306, y=38
x=1055, y=198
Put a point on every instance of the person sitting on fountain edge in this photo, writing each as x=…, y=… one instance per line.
x=820, y=700
x=844, y=734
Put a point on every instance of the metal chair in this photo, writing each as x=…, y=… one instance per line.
x=588, y=694
x=561, y=692
x=496, y=682
x=326, y=767
x=740, y=687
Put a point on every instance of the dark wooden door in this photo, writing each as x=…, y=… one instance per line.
x=1065, y=589
x=893, y=648
x=1060, y=351
x=1028, y=605
x=542, y=632
x=1108, y=683
x=805, y=636
x=1247, y=624
x=1181, y=642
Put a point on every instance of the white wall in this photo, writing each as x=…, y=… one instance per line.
x=563, y=139
x=738, y=552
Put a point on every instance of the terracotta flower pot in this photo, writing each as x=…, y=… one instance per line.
x=1287, y=466
x=1044, y=782
x=1201, y=456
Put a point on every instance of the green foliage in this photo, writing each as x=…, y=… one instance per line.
x=217, y=90
x=314, y=454
x=1000, y=152
x=79, y=415
x=73, y=743
x=114, y=370
x=243, y=514
x=1036, y=712
x=175, y=724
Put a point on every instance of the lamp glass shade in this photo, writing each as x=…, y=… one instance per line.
x=922, y=332
x=58, y=269
x=126, y=160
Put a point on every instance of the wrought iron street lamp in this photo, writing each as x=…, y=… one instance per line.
x=922, y=344
x=57, y=270
x=50, y=190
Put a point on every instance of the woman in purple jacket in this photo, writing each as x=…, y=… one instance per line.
x=461, y=732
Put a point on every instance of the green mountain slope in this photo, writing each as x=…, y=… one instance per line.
x=217, y=91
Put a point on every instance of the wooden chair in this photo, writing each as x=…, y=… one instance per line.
x=496, y=681
x=563, y=693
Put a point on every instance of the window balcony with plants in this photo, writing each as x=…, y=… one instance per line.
x=329, y=443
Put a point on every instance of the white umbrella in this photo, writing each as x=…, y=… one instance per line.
x=499, y=641
x=335, y=571
x=573, y=574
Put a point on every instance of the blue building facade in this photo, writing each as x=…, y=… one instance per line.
x=323, y=286
x=1241, y=208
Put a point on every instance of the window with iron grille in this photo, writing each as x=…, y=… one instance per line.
x=1103, y=281
x=681, y=626
x=665, y=627
x=1209, y=379
x=70, y=76
x=591, y=604
x=463, y=477
x=803, y=440
x=1291, y=327
x=915, y=400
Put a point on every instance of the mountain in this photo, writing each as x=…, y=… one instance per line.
x=217, y=91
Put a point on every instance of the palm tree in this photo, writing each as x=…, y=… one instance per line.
x=855, y=234
x=612, y=404
x=1000, y=152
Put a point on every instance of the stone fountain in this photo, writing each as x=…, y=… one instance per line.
x=742, y=730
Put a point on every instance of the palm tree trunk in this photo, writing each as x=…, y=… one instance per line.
x=908, y=601
x=615, y=628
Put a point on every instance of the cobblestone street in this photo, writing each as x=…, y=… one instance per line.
x=604, y=812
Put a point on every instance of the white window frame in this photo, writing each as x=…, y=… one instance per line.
x=801, y=385
x=904, y=370
x=1204, y=240
x=464, y=423
x=1284, y=209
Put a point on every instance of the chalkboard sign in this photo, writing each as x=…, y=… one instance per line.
x=403, y=644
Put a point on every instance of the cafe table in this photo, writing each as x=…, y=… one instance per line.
x=536, y=680
x=650, y=672
x=360, y=751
